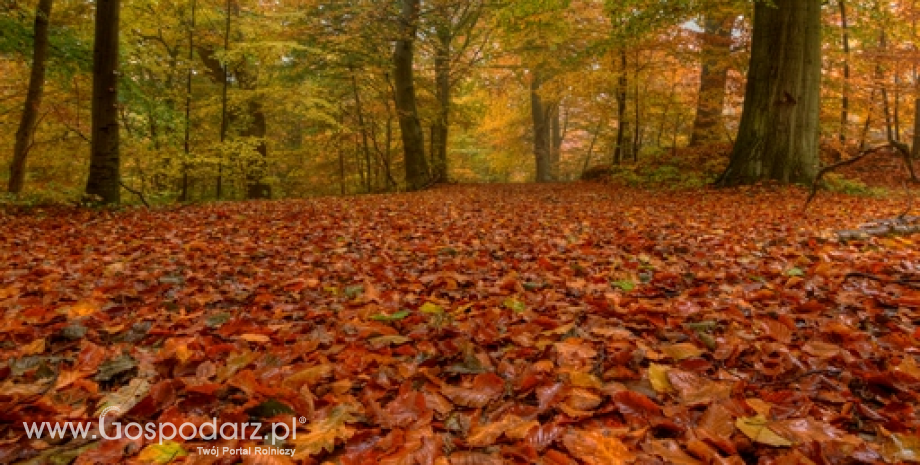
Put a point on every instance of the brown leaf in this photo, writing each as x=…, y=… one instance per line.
x=594, y=448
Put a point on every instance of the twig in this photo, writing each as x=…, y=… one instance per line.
x=139, y=194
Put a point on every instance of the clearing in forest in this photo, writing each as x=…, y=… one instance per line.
x=482, y=324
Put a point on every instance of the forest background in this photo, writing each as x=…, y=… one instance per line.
x=242, y=99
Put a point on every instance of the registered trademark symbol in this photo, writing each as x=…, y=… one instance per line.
x=302, y=420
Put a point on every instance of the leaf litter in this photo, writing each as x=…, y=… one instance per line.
x=484, y=324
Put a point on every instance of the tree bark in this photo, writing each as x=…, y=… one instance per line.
x=439, y=130
x=778, y=135
x=556, y=136
x=104, y=180
x=845, y=94
x=33, y=98
x=622, y=148
x=406, y=107
x=541, y=139
x=716, y=49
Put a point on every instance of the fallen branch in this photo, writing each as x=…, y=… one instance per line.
x=840, y=164
x=902, y=225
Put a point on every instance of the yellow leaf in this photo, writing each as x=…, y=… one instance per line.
x=324, y=433
x=83, y=308
x=594, y=448
x=33, y=348
x=758, y=430
x=682, y=351
x=309, y=376
x=585, y=380
x=909, y=366
x=255, y=338
x=658, y=376
x=383, y=341
x=162, y=453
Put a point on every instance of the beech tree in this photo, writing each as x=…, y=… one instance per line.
x=778, y=135
x=33, y=98
x=105, y=165
x=403, y=57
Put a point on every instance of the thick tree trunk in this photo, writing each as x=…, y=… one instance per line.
x=104, y=181
x=541, y=142
x=417, y=175
x=33, y=98
x=778, y=135
x=716, y=50
x=439, y=130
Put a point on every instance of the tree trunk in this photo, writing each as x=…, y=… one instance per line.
x=28, y=124
x=541, y=142
x=183, y=196
x=845, y=94
x=915, y=150
x=778, y=135
x=255, y=127
x=359, y=112
x=406, y=108
x=439, y=130
x=555, y=136
x=104, y=180
x=716, y=50
x=249, y=122
x=622, y=126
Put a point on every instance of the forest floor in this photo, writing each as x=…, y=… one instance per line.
x=574, y=323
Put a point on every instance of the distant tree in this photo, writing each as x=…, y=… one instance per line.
x=105, y=165
x=33, y=98
x=715, y=51
x=778, y=135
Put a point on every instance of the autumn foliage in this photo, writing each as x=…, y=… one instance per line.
x=473, y=325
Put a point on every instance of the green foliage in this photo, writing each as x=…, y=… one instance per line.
x=835, y=182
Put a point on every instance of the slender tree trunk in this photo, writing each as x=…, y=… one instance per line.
x=622, y=126
x=183, y=196
x=541, y=142
x=104, y=182
x=359, y=112
x=778, y=135
x=845, y=94
x=224, y=116
x=864, y=135
x=896, y=113
x=587, y=162
x=555, y=137
x=440, y=128
x=411, y=127
x=716, y=51
x=915, y=150
x=880, y=81
x=36, y=90
x=637, y=113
